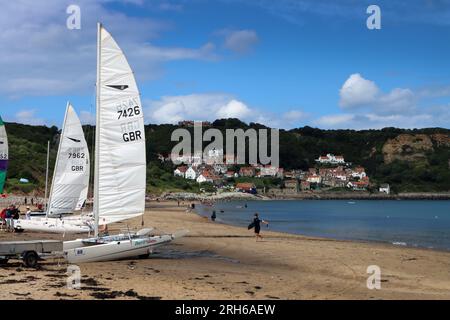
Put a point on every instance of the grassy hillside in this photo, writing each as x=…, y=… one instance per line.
x=413, y=169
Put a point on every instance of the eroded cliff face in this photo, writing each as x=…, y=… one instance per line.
x=413, y=147
x=407, y=147
x=441, y=140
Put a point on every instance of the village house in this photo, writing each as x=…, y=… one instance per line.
x=246, y=187
x=290, y=174
x=328, y=181
x=180, y=171
x=206, y=176
x=305, y=185
x=292, y=184
x=190, y=173
x=359, y=172
x=325, y=172
x=337, y=183
x=331, y=159
x=360, y=185
x=247, y=172
x=268, y=171
x=340, y=175
x=314, y=178
x=231, y=174
x=385, y=188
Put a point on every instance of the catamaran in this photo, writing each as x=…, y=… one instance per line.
x=70, y=184
x=3, y=155
x=120, y=162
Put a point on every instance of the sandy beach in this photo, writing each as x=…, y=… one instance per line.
x=216, y=261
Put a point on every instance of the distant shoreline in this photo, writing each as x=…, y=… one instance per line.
x=365, y=196
x=236, y=196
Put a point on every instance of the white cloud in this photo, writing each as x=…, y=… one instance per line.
x=293, y=115
x=397, y=101
x=212, y=106
x=357, y=91
x=366, y=106
x=374, y=121
x=168, y=6
x=234, y=109
x=209, y=106
x=40, y=56
x=239, y=41
x=333, y=121
x=28, y=117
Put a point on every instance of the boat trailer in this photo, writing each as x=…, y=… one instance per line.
x=30, y=252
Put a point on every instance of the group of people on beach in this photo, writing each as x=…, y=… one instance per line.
x=7, y=217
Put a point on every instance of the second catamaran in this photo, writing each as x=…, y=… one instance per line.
x=70, y=184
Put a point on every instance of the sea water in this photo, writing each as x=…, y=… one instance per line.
x=413, y=223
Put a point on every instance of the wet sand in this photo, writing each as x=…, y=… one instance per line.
x=216, y=261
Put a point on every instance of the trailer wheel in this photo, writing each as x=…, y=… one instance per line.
x=30, y=259
x=3, y=261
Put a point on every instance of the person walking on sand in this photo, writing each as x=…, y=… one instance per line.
x=257, y=225
x=213, y=216
x=28, y=214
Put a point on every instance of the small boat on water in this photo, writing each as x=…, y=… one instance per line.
x=120, y=162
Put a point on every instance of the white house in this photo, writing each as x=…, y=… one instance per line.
x=268, y=171
x=359, y=172
x=385, y=188
x=205, y=176
x=190, y=173
x=314, y=178
x=180, y=171
x=331, y=158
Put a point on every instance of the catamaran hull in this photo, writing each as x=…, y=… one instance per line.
x=51, y=225
x=77, y=252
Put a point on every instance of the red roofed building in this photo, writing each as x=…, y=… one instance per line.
x=180, y=171
x=246, y=187
x=247, y=172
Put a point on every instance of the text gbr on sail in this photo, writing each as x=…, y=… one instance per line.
x=131, y=131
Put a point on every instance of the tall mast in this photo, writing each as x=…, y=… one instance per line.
x=57, y=161
x=97, y=133
x=46, y=175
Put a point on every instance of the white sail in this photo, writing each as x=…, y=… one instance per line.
x=120, y=177
x=71, y=175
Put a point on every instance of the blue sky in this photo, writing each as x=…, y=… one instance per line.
x=286, y=63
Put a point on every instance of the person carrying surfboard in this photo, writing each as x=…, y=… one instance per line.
x=256, y=223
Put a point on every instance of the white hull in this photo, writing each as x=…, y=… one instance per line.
x=52, y=225
x=80, y=251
